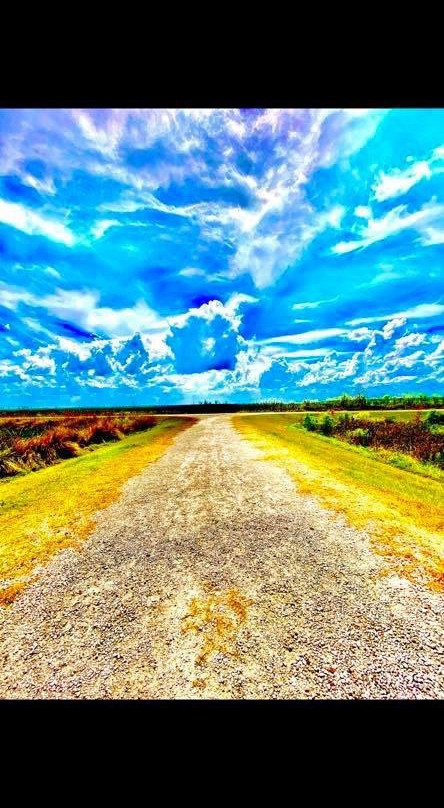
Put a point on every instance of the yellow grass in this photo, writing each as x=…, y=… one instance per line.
x=51, y=509
x=403, y=511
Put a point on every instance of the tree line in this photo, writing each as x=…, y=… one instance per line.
x=344, y=402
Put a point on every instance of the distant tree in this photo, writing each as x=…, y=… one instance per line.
x=360, y=402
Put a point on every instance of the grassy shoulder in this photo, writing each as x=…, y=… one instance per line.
x=51, y=509
x=403, y=510
x=372, y=415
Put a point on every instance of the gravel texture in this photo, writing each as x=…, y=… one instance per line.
x=211, y=577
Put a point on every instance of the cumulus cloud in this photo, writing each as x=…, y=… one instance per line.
x=206, y=338
x=168, y=253
x=385, y=360
x=392, y=326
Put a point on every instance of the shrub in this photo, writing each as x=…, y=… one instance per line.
x=421, y=439
x=359, y=436
x=327, y=425
x=309, y=423
x=435, y=417
x=413, y=437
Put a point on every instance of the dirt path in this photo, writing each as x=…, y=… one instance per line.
x=212, y=578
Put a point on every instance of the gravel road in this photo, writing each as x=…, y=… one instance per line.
x=211, y=577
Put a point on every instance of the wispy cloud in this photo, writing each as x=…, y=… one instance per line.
x=392, y=223
x=316, y=335
x=152, y=255
x=312, y=305
x=422, y=310
x=398, y=181
x=34, y=223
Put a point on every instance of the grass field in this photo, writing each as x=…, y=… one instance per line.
x=402, y=508
x=53, y=508
x=32, y=442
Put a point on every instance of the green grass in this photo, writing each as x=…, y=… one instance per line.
x=372, y=415
x=397, y=459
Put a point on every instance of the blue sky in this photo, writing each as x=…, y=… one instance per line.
x=168, y=256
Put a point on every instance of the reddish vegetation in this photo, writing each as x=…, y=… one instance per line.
x=27, y=444
x=412, y=437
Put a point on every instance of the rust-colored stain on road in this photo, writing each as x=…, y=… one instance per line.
x=218, y=616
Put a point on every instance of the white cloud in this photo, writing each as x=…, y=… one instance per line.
x=33, y=223
x=300, y=354
x=393, y=325
x=40, y=359
x=12, y=296
x=404, y=361
x=312, y=305
x=363, y=212
x=360, y=334
x=121, y=321
x=208, y=344
x=415, y=338
x=81, y=307
x=437, y=355
x=102, y=225
x=385, y=277
x=191, y=272
x=266, y=255
x=397, y=182
x=105, y=136
x=422, y=310
x=432, y=235
x=347, y=131
x=215, y=308
x=329, y=370
x=279, y=222
x=251, y=364
x=393, y=222
x=54, y=272
x=305, y=337
x=70, y=346
x=375, y=377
